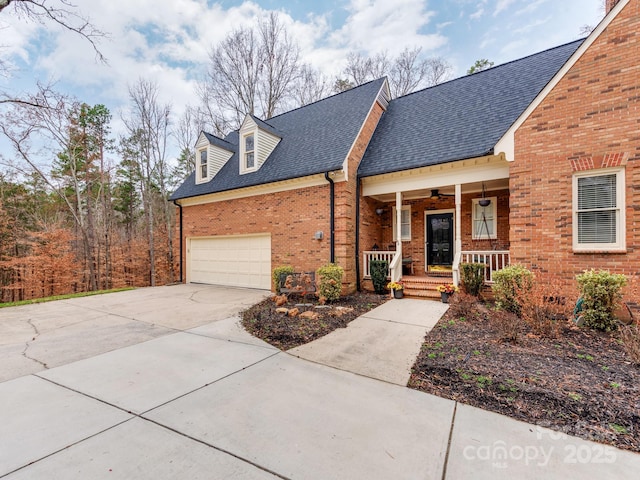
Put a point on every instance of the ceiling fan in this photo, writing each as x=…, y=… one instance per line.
x=435, y=193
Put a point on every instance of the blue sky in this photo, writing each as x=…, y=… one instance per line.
x=168, y=40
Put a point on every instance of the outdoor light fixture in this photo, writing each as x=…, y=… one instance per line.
x=318, y=235
x=379, y=211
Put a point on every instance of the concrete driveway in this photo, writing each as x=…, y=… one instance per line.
x=212, y=402
x=47, y=335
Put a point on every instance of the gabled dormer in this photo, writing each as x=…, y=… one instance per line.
x=211, y=154
x=257, y=139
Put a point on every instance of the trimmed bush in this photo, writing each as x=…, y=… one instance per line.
x=472, y=276
x=330, y=281
x=379, y=270
x=510, y=283
x=601, y=292
x=275, y=276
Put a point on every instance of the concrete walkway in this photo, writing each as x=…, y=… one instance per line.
x=382, y=344
x=214, y=402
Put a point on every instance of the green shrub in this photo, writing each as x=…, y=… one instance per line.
x=275, y=276
x=472, y=276
x=330, y=281
x=601, y=291
x=510, y=283
x=379, y=269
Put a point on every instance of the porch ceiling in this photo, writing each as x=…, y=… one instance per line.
x=492, y=170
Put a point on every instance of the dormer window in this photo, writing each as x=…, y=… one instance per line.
x=203, y=164
x=256, y=140
x=249, y=152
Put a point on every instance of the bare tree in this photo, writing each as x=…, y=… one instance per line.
x=60, y=12
x=186, y=133
x=407, y=72
x=250, y=71
x=361, y=69
x=148, y=125
x=310, y=87
x=77, y=133
x=64, y=14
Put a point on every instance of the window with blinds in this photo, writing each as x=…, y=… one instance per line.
x=598, y=212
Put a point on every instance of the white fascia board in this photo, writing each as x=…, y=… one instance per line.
x=506, y=144
x=276, y=187
x=437, y=176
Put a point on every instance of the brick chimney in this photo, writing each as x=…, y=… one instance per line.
x=609, y=4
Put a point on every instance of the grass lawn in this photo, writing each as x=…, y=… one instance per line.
x=62, y=297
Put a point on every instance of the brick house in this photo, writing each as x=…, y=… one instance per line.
x=529, y=162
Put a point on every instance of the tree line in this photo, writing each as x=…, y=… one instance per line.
x=84, y=209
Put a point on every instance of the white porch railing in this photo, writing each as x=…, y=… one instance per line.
x=494, y=260
x=376, y=255
x=395, y=267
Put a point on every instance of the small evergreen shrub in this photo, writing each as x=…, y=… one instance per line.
x=601, y=292
x=330, y=281
x=275, y=276
x=472, y=276
x=510, y=283
x=379, y=269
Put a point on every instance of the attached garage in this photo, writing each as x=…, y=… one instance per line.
x=237, y=261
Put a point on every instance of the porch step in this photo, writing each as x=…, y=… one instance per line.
x=424, y=286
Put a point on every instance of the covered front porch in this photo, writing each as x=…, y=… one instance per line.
x=427, y=222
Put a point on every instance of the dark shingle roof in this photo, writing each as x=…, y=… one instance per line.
x=316, y=138
x=219, y=142
x=460, y=119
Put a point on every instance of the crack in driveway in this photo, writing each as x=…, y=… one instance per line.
x=28, y=344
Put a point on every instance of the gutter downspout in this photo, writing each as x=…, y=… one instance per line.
x=332, y=218
x=180, y=207
x=358, y=286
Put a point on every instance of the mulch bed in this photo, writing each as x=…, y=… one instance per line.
x=580, y=383
x=285, y=331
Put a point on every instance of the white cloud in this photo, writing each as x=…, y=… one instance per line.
x=374, y=26
x=477, y=14
x=531, y=7
x=502, y=6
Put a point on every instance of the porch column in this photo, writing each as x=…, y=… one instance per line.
x=399, y=223
x=458, y=223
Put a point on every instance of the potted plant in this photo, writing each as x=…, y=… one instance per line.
x=446, y=290
x=396, y=289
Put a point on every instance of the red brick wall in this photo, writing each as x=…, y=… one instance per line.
x=345, y=202
x=589, y=120
x=292, y=218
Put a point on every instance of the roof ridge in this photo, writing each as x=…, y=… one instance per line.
x=330, y=96
x=510, y=62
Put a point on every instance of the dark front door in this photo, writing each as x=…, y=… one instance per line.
x=439, y=240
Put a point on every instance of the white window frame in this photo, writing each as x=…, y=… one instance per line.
x=199, y=177
x=243, y=167
x=405, y=238
x=620, y=244
x=491, y=208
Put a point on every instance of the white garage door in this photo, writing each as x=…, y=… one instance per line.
x=235, y=261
